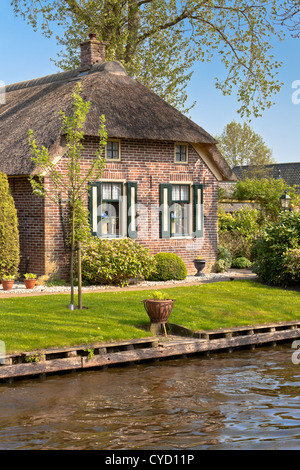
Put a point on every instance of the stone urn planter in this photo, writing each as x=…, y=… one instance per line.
x=199, y=265
x=158, y=309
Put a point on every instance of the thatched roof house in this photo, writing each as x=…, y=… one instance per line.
x=147, y=129
x=131, y=110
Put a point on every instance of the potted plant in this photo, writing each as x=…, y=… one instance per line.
x=199, y=265
x=7, y=281
x=30, y=280
x=158, y=307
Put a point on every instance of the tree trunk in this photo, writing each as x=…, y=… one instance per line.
x=133, y=27
x=72, y=256
x=79, y=277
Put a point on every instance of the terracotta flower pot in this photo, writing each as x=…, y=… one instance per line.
x=158, y=310
x=29, y=283
x=7, y=285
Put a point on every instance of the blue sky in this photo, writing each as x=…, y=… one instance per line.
x=25, y=54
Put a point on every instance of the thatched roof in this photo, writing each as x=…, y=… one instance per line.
x=131, y=111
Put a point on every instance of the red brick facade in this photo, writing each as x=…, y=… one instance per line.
x=149, y=164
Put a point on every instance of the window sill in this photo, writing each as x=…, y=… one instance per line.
x=112, y=237
x=183, y=237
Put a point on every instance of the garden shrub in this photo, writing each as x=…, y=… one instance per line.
x=292, y=263
x=270, y=250
x=9, y=233
x=241, y=263
x=224, y=260
x=245, y=221
x=237, y=245
x=168, y=267
x=221, y=266
x=238, y=230
x=115, y=261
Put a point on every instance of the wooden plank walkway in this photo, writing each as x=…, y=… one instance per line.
x=56, y=360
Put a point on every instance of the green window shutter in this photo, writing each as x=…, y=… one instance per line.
x=198, y=210
x=165, y=202
x=94, y=201
x=132, y=231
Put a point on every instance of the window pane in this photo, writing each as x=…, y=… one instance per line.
x=179, y=219
x=184, y=193
x=181, y=153
x=106, y=191
x=112, y=150
x=111, y=191
x=116, y=191
x=176, y=192
x=180, y=192
x=110, y=221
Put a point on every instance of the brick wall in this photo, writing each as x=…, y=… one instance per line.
x=147, y=163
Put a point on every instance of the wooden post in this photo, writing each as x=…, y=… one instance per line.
x=71, y=305
x=79, y=277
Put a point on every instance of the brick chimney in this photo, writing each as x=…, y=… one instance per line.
x=92, y=52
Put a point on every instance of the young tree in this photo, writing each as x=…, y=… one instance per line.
x=240, y=145
x=9, y=233
x=74, y=185
x=159, y=41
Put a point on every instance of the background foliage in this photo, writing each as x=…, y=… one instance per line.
x=240, y=145
x=267, y=193
x=9, y=233
x=276, y=251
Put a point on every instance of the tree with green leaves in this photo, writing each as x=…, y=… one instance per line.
x=9, y=233
x=73, y=185
x=241, y=145
x=290, y=17
x=159, y=41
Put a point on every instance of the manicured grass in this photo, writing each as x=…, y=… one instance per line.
x=29, y=323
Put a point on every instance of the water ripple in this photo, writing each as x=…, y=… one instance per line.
x=243, y=400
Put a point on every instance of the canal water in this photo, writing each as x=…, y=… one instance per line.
x=239, y=400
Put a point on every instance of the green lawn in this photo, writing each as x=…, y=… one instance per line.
x=29, y=323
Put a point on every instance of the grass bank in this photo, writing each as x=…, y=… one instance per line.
x=29, y=323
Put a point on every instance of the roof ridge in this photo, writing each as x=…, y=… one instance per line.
x=109, y=66
x=268, y=165
x=55, y=77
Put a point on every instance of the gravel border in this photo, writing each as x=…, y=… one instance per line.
x=19, y=288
